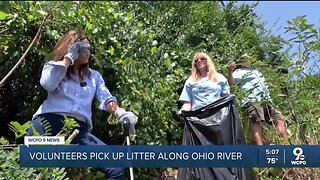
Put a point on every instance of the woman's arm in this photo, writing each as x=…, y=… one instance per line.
x=103, y=95
x=187, y=106
x=185, y=97
x=53, y=73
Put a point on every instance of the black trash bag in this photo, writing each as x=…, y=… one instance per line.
x=219, y=124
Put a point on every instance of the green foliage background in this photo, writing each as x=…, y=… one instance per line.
x=144, y=51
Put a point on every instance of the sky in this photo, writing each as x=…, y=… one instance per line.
x=280, y=12
x=275, y=15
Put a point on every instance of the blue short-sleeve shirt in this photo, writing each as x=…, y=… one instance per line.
x=204, y=92
x=252, y=83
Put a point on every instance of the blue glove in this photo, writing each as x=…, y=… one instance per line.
x=73, y=52
x=122, y=114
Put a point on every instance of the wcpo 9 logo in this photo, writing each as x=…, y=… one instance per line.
x=298, y=153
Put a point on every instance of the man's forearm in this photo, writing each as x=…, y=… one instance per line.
x=231, y=81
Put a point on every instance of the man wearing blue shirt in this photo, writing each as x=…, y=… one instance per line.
x=257, y=101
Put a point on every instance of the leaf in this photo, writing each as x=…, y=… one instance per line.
x=88, y=25
x=35, y=132
x=153, y=50
x=4, y=141
x=42, y=12
x=3, y=15
x=154, y=43
x=111, y=51
x=30, y=17
x=316, y=46
x=19, y=130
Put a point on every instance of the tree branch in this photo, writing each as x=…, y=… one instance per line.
x=4, y=30
x=31, y=44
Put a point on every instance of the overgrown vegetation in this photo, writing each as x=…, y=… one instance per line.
x=144, y=50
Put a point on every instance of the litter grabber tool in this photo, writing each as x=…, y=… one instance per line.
x=126, y=127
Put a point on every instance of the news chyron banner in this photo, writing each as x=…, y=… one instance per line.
x=156, y=156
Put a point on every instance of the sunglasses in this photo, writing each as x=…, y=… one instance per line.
x=200, y=59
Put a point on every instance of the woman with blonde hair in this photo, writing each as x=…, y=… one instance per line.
x=204, y=86
x=71, y=87
x=209, y=118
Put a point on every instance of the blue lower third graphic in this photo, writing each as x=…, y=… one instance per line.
x=169, y=156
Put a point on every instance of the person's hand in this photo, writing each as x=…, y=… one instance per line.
x=180, y=113
x=85, y=52
x=122, y=115
x=231, y=65
x=73, y=52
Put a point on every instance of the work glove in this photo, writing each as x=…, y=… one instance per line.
x=180, y=114
x=181, y=111
x=123, y=115
x=84, y=51
x=73, y=52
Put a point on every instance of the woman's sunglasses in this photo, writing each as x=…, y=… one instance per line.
x=200, y=59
